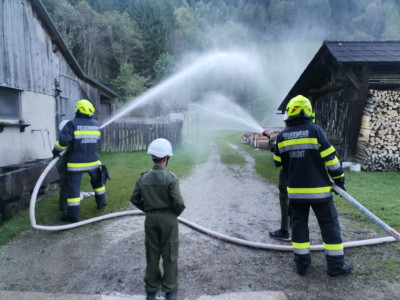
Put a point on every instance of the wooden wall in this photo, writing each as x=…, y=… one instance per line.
x=31, y=61
x=130, y=137
x=334, y=112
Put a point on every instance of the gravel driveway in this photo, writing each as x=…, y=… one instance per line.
x=108, y=257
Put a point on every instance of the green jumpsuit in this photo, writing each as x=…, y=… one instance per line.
x=157, y=193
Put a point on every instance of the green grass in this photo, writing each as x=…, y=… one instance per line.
x=264, y=162
x=378, y=191
x=124, y=169
x=228, y=155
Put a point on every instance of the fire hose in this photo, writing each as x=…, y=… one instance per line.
x=394, y=234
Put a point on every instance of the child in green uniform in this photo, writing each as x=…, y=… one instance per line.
x=157, y=193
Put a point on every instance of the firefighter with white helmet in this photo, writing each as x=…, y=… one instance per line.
x=81, y=136
x=157, y=193
x=306, y=156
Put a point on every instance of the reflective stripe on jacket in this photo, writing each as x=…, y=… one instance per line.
x=306, y=156
x=81, y=136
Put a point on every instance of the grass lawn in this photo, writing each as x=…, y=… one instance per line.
x=124, y=169
x=379, y=192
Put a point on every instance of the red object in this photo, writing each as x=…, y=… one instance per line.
x=265, y=133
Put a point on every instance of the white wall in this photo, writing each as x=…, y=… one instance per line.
x=19, y=147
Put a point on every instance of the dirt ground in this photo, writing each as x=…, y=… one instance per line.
x=108, y=257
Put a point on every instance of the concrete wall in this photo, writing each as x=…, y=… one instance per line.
x=19, y=147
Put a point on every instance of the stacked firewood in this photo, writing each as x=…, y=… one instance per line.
x=378, y=147
x=257, y=140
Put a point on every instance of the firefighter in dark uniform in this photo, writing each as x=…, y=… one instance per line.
x=282, y=233
x=81, y=136
x=306, y=156
x=63, y=173
x=157, y=193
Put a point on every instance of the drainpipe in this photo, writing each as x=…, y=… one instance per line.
x=58, y=105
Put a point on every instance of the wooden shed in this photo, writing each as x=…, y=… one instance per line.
x=40, y=83
x=354, y=87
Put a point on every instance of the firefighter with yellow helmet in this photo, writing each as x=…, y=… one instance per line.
x=306, y=156
x=81, y=136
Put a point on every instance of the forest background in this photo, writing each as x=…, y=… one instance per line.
x=131, y=45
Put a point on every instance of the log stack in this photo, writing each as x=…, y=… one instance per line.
x=378, y=146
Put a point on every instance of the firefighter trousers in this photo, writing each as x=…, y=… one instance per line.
x=283, y=201
x=74, y=185
x=62, y=171
x=161, y=240
x=330, y=230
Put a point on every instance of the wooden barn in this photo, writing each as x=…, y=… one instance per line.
x=40, y=83
x=354, y=87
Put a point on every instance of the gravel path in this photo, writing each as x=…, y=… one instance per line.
x=108, y=257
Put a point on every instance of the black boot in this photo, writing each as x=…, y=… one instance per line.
x=171, y=295
x=67, y=218
x=280, y=235
x=150, y=296
x=345, y=269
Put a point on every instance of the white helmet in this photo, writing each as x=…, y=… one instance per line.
x=62, y=124
x=160, y=148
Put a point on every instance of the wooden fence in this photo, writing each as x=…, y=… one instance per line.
x=130, y=137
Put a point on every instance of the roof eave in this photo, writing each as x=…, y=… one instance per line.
x=59, y=41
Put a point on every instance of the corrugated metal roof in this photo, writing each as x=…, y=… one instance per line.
x=365, y=51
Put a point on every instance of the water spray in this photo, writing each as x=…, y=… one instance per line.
x=223, y=113
x=224, y=62
x=205, y=64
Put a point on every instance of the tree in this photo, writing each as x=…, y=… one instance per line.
x=129, y=84
x=124, y=34
x=374, y=19
x=164, y=66
x=94, y=54
x=392, y=13
x=67, y=20
x=155, y=19
x=187, y=33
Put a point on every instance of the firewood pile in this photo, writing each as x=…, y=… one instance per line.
x=378, y=147
x=257, y=140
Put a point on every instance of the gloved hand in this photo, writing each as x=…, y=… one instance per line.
x=55, y=153
x=265, y=133
x=340, y=183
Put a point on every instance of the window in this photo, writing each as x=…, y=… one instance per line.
x=9, y=104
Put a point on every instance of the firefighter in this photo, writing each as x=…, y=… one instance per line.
x=157, y=193
x=63, y=173
x=282, y=233
x=306, y=156
x=81, y=136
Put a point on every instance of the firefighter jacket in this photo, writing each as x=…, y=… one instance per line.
x=306, y=156
x=158, y=190
x=81, y=136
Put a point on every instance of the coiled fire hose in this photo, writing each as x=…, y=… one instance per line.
x=394, y=234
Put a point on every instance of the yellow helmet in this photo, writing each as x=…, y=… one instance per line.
x=299, y=106
x=85, y=107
